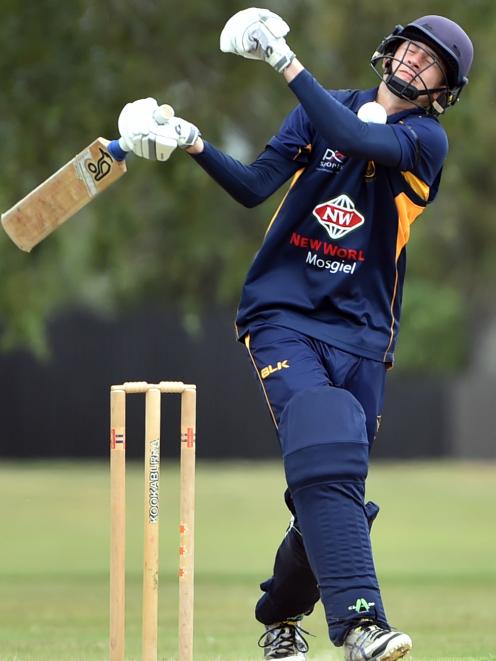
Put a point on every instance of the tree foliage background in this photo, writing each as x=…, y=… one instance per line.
x=166, y=234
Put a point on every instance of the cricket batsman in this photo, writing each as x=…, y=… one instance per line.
x=320, y=309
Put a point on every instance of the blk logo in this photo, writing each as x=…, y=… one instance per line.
x=338, y=216
x=270, y=369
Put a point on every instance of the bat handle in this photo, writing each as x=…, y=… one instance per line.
x=117, y=148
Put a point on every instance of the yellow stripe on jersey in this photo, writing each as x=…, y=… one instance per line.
x=417, y=185
x=408, y=212
x=307, y=148
x=293, y=182
x=391, y=309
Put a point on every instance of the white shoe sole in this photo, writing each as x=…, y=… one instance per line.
x=396, y=649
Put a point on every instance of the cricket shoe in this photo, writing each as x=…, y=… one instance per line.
x=370, y=642
x=284, y=640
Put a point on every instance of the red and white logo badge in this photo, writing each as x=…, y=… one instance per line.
x=338, y=216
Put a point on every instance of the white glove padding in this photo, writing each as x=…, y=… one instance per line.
x=138, y=128
x=258, y=34
x=175, y=128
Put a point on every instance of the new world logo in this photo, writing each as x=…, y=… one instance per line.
x=338, y=216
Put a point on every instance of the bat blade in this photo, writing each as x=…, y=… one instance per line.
x=62, y=195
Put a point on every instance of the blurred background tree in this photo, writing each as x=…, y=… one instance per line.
x=166, y=234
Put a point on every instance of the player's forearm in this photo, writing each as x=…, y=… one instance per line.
x=247, y=184
x=197, y=147
x=339, y=125
x=291, y=71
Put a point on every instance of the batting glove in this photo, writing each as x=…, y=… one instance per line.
x=258, y=34
x=140, y=132
x=185, y=133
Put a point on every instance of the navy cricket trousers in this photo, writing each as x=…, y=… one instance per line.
x=287, y=363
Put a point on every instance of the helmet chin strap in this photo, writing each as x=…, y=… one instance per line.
x=404, y=90
x=401, y=88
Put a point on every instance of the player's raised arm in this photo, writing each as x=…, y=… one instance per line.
x=259, y=34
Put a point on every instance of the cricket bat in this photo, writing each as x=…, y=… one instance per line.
x=68, y=190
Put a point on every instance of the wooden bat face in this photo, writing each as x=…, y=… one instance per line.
x=62, y=195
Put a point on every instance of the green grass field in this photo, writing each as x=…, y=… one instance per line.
x=434, y=541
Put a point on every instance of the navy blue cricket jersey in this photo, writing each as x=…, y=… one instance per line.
x=333, y=260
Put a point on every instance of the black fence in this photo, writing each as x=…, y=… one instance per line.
x=60, y=408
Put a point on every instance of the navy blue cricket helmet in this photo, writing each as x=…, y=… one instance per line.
x=452, y=47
